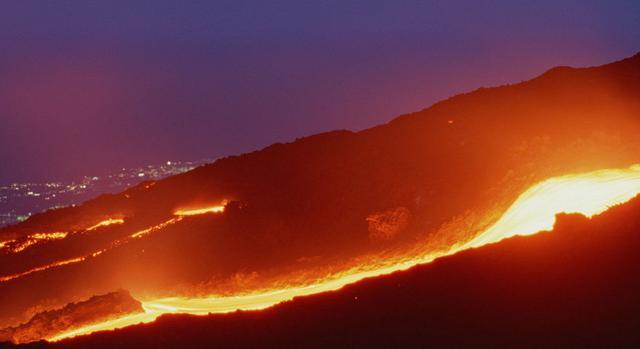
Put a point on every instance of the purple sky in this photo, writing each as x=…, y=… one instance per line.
x=87, y=87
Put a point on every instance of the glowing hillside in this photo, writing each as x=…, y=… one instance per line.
x=585, y=193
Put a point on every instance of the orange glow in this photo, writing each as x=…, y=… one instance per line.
x=22, y=245
x=106, y=222
x=587, y=193
x=162, y=225
x=202, y=210
x=35, y=238
x=44, y=267
x=50, y=236
x=15, y=247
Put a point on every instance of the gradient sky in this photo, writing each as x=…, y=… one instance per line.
x=87, y=87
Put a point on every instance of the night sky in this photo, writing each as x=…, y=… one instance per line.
x=88, y=87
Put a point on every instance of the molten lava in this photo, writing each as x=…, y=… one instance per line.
x=15, y=246
x=535, y=210
x=49, y=236
x=199, y=211
x=157, y=227
x=106, y=222
x=44, y=267
x=587, y=193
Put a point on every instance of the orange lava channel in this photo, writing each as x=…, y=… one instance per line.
x=198, y=211
x=33, y=239
x=162, y=225
x=105, y=223
x=586, y=193
x=45, y=267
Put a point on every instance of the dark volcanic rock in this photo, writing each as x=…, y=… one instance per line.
x=50, y=323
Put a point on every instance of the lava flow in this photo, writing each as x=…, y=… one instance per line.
x=199, y=211
x=105, y=223
x=35, y=238
x=15, y=246
x=586, y=193
x=42, y=268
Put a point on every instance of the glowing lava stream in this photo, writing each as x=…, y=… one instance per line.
x=45, y=267
x=587, y=193
x=179, y=216
x=31, y=240
x=106, y=222
x=198, y=211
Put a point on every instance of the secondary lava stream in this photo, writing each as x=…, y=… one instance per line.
x=199, y=211
x=179, y=215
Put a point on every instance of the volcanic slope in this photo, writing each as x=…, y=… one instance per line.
x=427, y=179
x=575, y=286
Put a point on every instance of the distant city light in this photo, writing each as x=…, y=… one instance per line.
x=16, y=199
